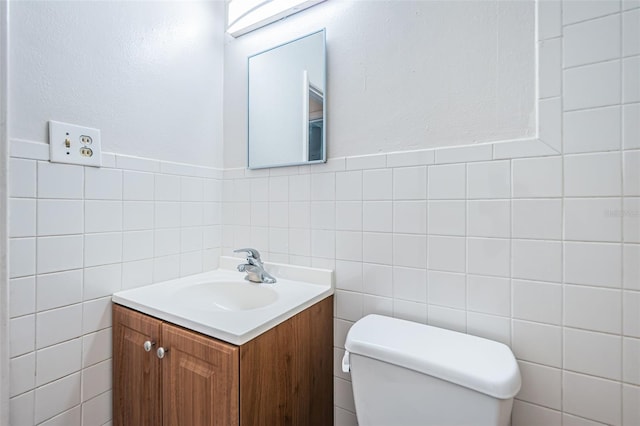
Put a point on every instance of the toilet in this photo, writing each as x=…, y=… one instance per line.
x=409, y=374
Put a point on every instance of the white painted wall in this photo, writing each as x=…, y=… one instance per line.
x=148, y=74
x=405, y=75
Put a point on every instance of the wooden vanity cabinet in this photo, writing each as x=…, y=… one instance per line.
x=282, y=377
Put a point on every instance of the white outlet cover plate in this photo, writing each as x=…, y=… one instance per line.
x=60, y=153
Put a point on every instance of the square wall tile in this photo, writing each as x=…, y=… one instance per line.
x=102, y=216
x=349, y=245
x=348, y=186
x=22, y=178
x=541, y=385
x=22, y=373
x=299, y=189
x=60, y=180
x=592, y=41
x=377, y=184
x=581, y=181
x=490, y=327
x=96, y=380
x=539, y=343
x=167, y=188
x=592, y=219
x=447, y=254
x=537, y=260
x=60, y=217
x=410, y=284
x=349, y=215
x=59, y=253
x=592, y=86
x=549, y=19
x=592, y=308
x=446, y=218
x=446, y=289
x=137, y=215
x=102, y=249
x=140, y=272
x=410, y=183
x=488, y=256
x=138, y=186
x=192, y=189
x=596, y=354
x=102, y=281
x=410, y=217
x=593, y=264
x=323, y=187
x=489, y=218
x=489, y=179
x=537, y=301
x=57, y=325
x=592, y=130
x=537, y=177
x=348, y=275
x=377, y=216
x=56, y=362
x=103, y=184
x=22, y=296
x=59, y=289
x=22, y=218
x=22, y=335
x=447, y=182
x=57, y=397
x=22, y=261
x=377, y=248
x=377, y=279
x=410, y=250
x=537, y=219
x=591, y=397
x=490, y=295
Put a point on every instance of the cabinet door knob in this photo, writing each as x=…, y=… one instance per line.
x=161, y=352
x=148, y=344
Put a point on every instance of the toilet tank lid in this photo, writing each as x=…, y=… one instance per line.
x=473, y=362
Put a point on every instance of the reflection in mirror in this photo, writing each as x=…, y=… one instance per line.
x=287, y=108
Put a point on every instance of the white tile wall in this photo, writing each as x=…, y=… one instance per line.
x=541, y=253
x=70, y=232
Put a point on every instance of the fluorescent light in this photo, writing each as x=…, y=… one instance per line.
x=244, y=16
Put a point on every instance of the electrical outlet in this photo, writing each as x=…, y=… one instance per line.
x=69, y=143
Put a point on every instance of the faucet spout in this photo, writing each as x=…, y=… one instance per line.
x=254, y=267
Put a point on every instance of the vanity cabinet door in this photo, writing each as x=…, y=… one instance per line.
x=137, y=378
x=201, y=379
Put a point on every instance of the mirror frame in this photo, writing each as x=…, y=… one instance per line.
x=324, y=104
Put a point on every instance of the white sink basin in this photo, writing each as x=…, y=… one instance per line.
x=230, y=296
x=223, y=305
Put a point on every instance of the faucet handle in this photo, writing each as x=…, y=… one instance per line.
x=251, y=253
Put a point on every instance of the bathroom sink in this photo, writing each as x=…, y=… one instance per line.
x=230, y=296
x=221, y=304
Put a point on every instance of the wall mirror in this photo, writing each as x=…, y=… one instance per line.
x=287, y=104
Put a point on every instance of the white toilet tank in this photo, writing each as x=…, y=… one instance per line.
x=409, y=374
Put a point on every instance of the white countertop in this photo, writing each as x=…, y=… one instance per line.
x=297, y=288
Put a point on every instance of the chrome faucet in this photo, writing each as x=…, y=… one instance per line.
x=254, y=267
